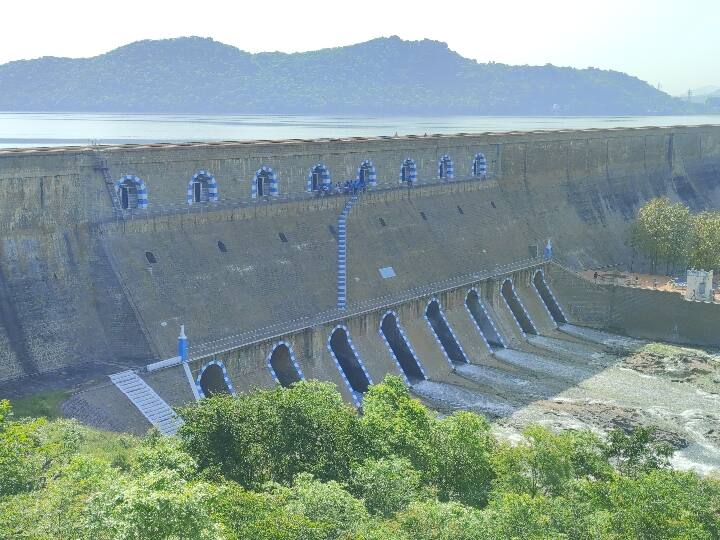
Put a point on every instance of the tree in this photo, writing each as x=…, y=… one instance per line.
x=518, y=515
x=705, y=247
x=637, y=451
x=545, y=463
x=660, y=505
x=435, y=520
x=462, y=449
x=246, y=514
x=326, y=503
x=23, y=456
x=387, y=485
x=158, y=452
x=160, y=505
x=396, y=424
x=272, y=435
x=662, y=232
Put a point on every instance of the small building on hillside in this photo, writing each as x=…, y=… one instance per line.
x=699, y=286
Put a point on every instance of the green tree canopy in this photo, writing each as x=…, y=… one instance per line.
x=61, y=482
x=662, y=232
x=705, y=247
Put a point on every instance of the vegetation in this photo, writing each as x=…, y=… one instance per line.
x=382, y=76
x=45, y=404
x=666, y=232
x=300, y=464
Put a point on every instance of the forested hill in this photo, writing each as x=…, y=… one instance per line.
x=382, y=76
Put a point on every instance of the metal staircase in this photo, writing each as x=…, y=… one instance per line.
x=342, y=253
x=152, y=406
x=102, y=167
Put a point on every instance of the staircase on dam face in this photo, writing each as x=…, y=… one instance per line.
x=101, y=166
x=152, y=406
x=342, y=253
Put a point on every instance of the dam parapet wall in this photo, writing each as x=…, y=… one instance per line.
x=43, y=187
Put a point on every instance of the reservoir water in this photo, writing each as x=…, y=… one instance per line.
x=61, y=129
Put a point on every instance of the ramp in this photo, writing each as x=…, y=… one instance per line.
x=541, y=365
x=506, y=325
x=152, y=406
x=454, y=397
x=504, y=380
x=612, y=342
x=576, y=351
x=467, y=334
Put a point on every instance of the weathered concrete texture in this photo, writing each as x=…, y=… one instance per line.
x=103, y=406
x=640, y=313
x=468, y=335
x=61, y=304
x=171, y=384
x=76, y=287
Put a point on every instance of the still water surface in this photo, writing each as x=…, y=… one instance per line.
x=53, y=129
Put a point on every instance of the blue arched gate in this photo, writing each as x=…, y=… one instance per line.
x=131, y=192
x=202, y=188
x=265, y=183
x=366, y=174
x=445, y=168
x=408, y=172
x=479, y=166
x=318, y=177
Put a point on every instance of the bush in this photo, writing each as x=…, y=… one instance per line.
x=387, y=485
x=272, y=435
x=545, y=463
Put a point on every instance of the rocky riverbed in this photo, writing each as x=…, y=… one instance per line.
x=676, y=389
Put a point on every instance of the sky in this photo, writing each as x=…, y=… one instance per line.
x=671, y=43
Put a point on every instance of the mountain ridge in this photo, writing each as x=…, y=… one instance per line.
x=385, y=75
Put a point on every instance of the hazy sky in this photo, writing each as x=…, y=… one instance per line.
x=671, y=42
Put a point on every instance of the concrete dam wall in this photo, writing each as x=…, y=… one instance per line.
x=87, y=285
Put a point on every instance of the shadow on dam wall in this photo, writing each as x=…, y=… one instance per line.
x=70, y=305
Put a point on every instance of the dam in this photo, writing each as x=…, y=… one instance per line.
x=448, y=260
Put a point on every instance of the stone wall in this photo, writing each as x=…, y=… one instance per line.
x=640, y=313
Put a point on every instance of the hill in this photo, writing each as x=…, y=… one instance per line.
x=381, y=76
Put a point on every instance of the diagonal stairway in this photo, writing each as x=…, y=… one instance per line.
x=342, y=253
x=152, y=406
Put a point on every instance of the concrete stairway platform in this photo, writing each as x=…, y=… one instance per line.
x=151, y=405
x=613, y=342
